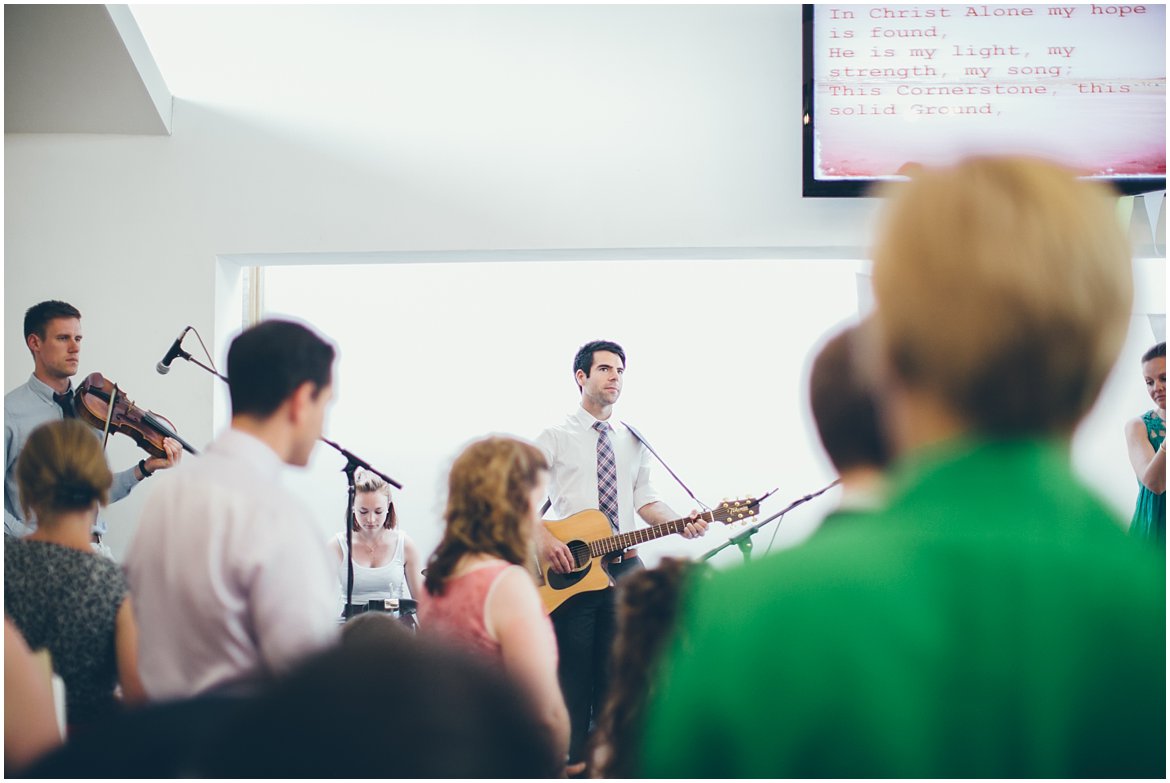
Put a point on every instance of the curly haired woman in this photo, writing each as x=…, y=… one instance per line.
x=481, y=596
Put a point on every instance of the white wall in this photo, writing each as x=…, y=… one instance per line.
x=433, y=355
x=408, y=128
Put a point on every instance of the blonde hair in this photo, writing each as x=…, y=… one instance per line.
x=1004, y=287
x=365, y=481
x=62, y=468
x=488, y=507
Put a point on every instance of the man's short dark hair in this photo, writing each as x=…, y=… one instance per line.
x=843, y=407
x=584, y=358
x=37, y=317
x=1157, y=351
x=269, y=361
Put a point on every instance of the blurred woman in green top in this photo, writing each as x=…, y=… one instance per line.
x=992, y=620
x=1145, y=437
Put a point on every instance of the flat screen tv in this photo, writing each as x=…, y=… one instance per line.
x=889, y=87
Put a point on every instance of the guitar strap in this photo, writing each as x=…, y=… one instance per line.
x=650, y=448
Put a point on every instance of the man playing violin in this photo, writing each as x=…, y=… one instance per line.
x=52, y=332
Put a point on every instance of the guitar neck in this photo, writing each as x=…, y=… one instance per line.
x=604, y=546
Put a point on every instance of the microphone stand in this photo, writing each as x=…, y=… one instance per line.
x=184, y=355
x=743, y=540
x=352, y=463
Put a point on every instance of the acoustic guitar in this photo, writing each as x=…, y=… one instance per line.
x=590, y=540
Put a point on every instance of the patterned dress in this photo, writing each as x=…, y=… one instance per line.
x=67, y=600
x=1149, y=517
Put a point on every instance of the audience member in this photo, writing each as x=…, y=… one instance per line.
x=385, y=559
x=52, y=334
x=30, y=717
x=373, y=626
x=1145, y=437
x=57, y=591
x=647, y=605
x=435, y=714
x=160, y=740
x=231, y=580
x=338, y=714
x=993, y=620
x=481, y=597
x=846, y=418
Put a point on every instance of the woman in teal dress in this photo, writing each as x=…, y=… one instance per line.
x=1145, y=437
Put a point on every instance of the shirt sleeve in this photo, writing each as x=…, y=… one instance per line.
x=123, y=483
x=546, y=441
x=13, y=526
x=294, y=598
x=644, y=489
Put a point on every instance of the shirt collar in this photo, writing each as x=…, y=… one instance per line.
x=238, y=443
x=962, y=458
x=587, y=419
x=44, y=390
x=860, y=499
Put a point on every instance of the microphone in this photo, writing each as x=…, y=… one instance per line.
x=176, y=349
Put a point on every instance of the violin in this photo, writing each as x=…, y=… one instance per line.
x=101, y=404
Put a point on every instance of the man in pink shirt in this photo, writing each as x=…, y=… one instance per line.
x=230, y=581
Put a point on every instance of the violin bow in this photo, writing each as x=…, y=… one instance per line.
x=109, y=417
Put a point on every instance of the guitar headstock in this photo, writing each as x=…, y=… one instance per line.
x=737, y=510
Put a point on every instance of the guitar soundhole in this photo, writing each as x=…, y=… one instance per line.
x=580, y=551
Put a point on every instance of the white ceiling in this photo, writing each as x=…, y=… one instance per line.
x=80, y=69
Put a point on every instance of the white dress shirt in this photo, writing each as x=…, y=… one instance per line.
x=228, y=575
x=571, y=451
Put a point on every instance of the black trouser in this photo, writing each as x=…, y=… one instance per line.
x=585, y=628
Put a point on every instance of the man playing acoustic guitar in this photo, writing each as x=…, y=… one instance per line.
x=594, y=465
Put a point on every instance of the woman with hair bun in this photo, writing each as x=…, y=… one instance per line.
x=57, y=591
x=481, y=596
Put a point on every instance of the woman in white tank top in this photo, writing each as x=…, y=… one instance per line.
x=385, y=560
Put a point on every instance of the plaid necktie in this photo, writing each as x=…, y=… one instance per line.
x=65, y=401
x=606, y=475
